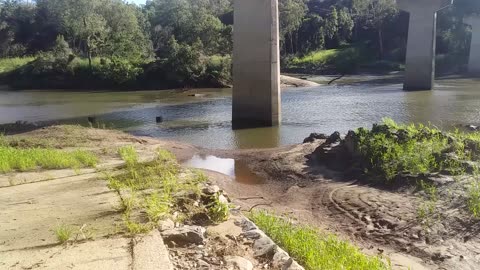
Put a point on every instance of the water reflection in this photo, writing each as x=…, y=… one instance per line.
x=234, y=168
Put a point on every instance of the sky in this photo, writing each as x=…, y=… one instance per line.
x=138, y=1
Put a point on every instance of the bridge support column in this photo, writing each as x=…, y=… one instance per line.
x=474, y=58
x=256, y=64
x=420, y=59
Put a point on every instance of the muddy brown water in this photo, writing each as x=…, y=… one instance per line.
x=204, y=120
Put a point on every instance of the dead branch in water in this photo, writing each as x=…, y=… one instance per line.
x=337, y=78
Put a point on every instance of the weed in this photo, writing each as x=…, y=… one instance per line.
x=430, y=190
x=218, y=211
x=63, y=233
x=129, y=155
x=313, y=249
x=425, y=213
x=12, y=159
x=135, y=227
x=474, y=199
x=390, y=149
x=158, y=206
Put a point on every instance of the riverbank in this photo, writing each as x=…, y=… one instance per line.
x=383, y=221
x=116, y=215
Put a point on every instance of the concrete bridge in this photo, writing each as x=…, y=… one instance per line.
x=256, y=57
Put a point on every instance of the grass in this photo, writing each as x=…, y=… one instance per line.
x=9, y=64
x=313, y=249
x=15, y=159
x=473, y=201
x=345, y=59
x=63, y=233
x=389, y=150
x=154, y=189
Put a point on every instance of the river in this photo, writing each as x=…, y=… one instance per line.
x=204, y=120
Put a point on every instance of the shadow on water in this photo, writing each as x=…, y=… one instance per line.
x=233, y=168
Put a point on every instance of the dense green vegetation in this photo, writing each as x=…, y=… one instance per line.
x=157, y=189
x=181, y=43
x=313, y=249
x=390, y=150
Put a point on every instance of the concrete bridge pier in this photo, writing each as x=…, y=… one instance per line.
x=256, y=64
x=420, y=59
x=474, y=58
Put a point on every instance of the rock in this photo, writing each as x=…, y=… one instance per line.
x=184, y=236
x=210, y=190
x=335, y=137
x=315, y=136
x=203, y=264
x=349, y=142
x=280, y=259
x=167, y=224
x=253, y=234
x=246, y=225
x=223, y=199
x=264, y=247
x=292, y=265
x=472, y=127
x=238, y=263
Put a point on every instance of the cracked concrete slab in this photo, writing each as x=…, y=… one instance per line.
x=105, y=254
x=31, y=212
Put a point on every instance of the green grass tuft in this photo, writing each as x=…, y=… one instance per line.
x=315, y=250
x=14, y=159
x=474, y=199
x=63, y=233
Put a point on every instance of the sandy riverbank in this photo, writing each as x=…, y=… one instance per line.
x=379, y=220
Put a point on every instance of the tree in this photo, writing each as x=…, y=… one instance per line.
x=374, y=14
x=292, y=13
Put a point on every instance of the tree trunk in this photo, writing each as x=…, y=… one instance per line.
x=380, y=42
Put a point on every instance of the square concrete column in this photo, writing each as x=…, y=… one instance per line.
x=421, y=44
x=256, y=64
x=474, y=58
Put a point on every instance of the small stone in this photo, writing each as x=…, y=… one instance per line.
x=203, y=264
x=167, y=224
x=184, y=236
x=211, y=189
x=264, y=247
x=254, y=234
x=238, y=263
x=246, y=225
x=222, y=199
x=280, y=259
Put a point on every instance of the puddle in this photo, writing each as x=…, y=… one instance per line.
x=231, y=167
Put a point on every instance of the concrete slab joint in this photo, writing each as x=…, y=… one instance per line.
x=474, y=58
x=256, y=64
x=420, y=59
